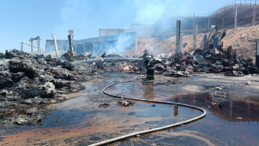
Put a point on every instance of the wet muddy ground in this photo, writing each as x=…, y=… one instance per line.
x=90, y=117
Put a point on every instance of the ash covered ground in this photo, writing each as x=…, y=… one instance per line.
x=29, y=83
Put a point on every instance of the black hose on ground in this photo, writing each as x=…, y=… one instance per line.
x=149, y=130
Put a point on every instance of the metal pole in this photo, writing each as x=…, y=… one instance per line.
x=31, y=45
x=39, y=50
x=70, y=39
x=178, y=29
x=55, y=44
x=195, y=32
x=254, y=15
x=235, y=16
x=21, y=46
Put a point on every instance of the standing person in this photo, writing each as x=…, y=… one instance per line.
x=150, y=65
x=151, y=68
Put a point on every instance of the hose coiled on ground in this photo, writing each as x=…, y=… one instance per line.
x=150, y=130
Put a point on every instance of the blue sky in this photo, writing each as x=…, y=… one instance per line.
x=23, y=19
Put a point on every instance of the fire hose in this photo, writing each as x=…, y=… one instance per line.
x=151, y=101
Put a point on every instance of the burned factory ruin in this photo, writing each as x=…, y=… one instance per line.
x=149, y=76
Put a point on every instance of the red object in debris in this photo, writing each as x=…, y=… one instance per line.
x=214, y=103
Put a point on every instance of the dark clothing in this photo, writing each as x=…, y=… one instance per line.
x=150, y=74
x=150, y=67
x=146, y=59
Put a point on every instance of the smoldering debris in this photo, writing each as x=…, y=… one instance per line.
x=211, y=58
x=208, y=60
x=29, y=81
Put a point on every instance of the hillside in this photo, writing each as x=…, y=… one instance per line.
x=238, y=38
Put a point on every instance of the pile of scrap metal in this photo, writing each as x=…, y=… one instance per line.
x=211, y=58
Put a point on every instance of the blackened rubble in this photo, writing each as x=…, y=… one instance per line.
x=212, y=61
x=27, y=81
x=211, y=58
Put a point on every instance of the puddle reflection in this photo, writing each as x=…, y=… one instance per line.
x=233, y=121
x=88, y=119
x=148, y=90
x=233, y=109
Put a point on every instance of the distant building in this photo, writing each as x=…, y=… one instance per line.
x=142, y=30
x=106, y=32
x=243, y=13
x=108, y=44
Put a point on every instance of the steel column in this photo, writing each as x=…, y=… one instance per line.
x=39, y=50
x=195, y=33
x=21, y=46
x=178, y=37
x=31, y=45
x=254, y=15
x=236, y=21
x=56, y=46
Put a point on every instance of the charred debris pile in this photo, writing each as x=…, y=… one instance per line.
x=209, y=58
x=27, y=81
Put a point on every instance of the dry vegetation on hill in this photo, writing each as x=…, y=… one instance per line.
x=238, y=38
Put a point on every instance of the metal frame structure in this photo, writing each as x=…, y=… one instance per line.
x=97, y=45
x=32, y=45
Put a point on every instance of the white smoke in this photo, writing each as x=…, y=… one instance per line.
x=75, y=15
x=124, y=42
x=148, y=11
x=84, y=16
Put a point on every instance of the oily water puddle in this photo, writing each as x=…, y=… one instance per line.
x=92, y=117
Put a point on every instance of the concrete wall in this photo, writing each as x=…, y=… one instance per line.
x=63, y=46
x=142, y=30
x=96, y=46
x=106, y=32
